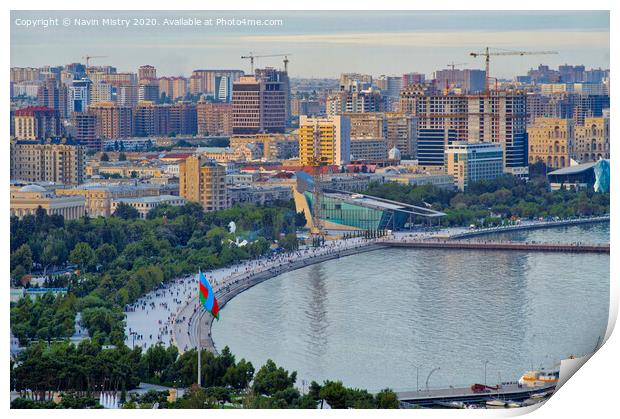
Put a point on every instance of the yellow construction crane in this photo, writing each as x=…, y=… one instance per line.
x=88, y=57
x=487, y=54
x=251, y=57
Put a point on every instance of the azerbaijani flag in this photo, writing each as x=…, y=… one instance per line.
x=207, y=297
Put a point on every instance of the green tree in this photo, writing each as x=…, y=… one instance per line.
x=270, y=379
x=83, y=255
x=387, y=399
x=334, y=393
x=106, y=253
x=22, y=257
x=105, y=157
x=122, y=156
x=126, y=212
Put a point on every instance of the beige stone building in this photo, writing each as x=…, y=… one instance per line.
x=273, y=146
x=145, y=204
x=204, y=181
x=551, y=141
x=98, y=198
x=53, y=160
x=592, y=140
x=26, y=200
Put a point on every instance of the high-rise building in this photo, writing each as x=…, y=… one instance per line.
x=277, y=85
x=390, y=85
x=147, y=72
x=100, y=91
x=127, y=95
x=146, y=119
x=373, y=149
x=259, y=106
x=310, y=107
x=370, y=100
x=214, y=118
x=214, y=83
x=468, y=81
x=367, y=125
x=148, y=91
x=53, y=95
x=501, y=118
x=19, y=74
x=326, y=139
x=52, y=160
x=410, y=79
x=182, y=118
x=113, y=121
x=497, y=118
x=85, y=128
x=400, y=132
x=36, y=123
x=204, y=181
x=355, y=82
x=551, y=141
x=472, y=162
x=79, y=96
x=592, y=140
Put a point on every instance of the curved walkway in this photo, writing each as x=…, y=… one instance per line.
x=191, y=318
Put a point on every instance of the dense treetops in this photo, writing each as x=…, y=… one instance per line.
x=120, y=258
x=78, y=371
x=494, y=201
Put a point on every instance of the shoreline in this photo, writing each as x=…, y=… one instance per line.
x=225, y=294
x=531, y=226
x=206, y=322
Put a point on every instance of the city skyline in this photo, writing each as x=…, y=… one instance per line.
x=423, y=41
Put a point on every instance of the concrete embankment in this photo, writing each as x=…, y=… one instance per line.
x=529, y=226
x=228, y=293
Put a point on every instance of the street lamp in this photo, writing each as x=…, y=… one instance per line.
x=429, y=375
x=417, y=377
x=485, y=372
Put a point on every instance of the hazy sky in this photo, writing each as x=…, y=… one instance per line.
x=322, y=44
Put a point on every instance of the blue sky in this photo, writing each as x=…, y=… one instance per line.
x=323, y=44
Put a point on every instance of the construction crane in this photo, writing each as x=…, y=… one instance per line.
x=251, y=57
x=487, y=54
x=453, y=64
x=88, y=57
x=449, y=80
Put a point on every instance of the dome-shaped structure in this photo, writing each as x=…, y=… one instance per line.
x=394, y=154
x=32, y=188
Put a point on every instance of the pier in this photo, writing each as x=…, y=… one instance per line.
x=500, y=245
x=439, y=397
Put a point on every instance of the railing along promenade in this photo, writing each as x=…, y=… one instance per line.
x=530, y=225
x=500, y=245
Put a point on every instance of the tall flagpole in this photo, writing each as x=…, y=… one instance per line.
x=199, y=348
x=199, y=318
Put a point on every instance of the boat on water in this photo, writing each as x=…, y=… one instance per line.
x=496, y=403
x=512, y=404
x=540, y=378
x=538, y=396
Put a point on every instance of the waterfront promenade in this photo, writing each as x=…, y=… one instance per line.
x=186, y=330
x=499, y=245
x=512, y=392
x=169, y=315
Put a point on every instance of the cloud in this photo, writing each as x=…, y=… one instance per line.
x=515, y=39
